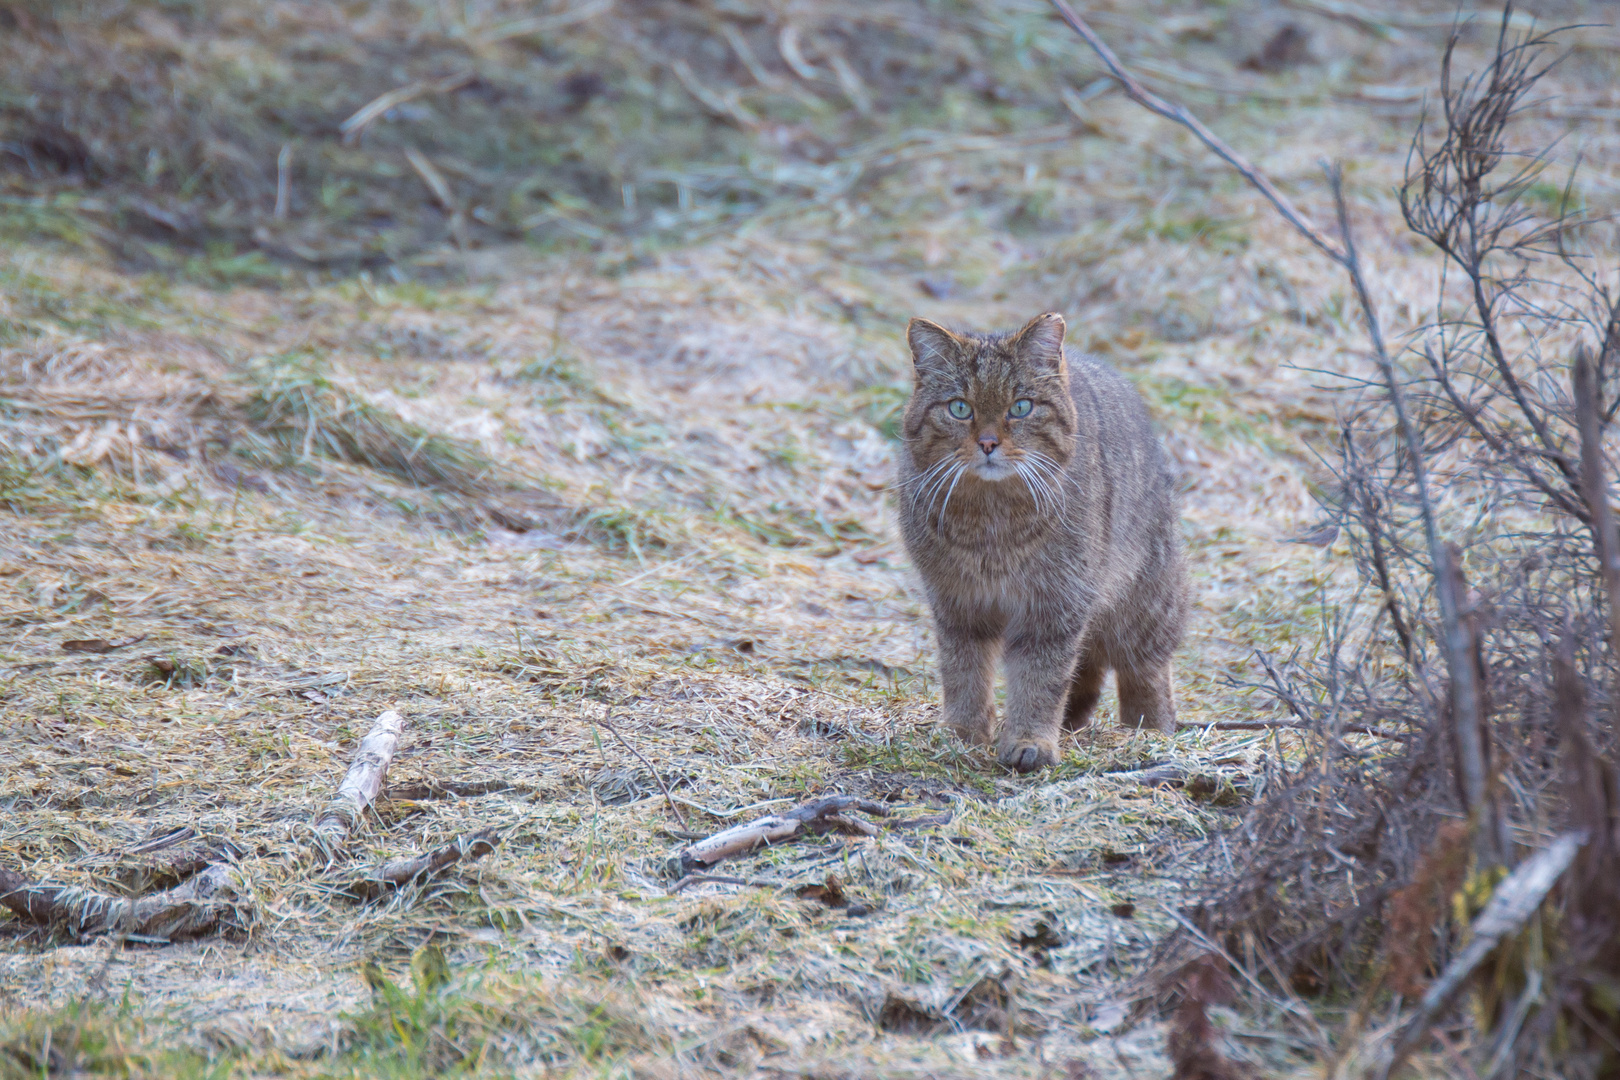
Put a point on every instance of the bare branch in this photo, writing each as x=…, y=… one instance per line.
x=1171, y=111
x=1595, y=483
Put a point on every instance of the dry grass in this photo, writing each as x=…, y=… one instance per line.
x=644, y=482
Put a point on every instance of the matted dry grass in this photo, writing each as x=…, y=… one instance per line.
x=574, y=490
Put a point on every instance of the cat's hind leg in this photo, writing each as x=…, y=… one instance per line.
x=1145, y=700
x=1140, y=640
x=1085, y=687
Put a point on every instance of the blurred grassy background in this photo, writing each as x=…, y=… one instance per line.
x=231, y=137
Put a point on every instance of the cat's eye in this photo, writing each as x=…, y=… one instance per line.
x=960, y=409
x=1020, y=408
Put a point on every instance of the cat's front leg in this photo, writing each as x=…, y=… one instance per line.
x=1039, y=667
x=967, y=670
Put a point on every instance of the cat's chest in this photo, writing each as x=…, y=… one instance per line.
x=1004, y=570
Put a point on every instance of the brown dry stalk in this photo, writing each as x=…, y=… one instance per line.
x=676, y=810
x=1467, y=716
x=1595, y=482
x=1191, y=1041
x=1414, y=910
x=1512, y=904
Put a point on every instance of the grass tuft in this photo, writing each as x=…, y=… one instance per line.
x=95, y=1039
x=303, y=410
x=441, y=1023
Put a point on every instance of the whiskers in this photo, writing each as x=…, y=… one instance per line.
x=1044, y=478
x=939, y=523
x=938, y=479
x=930, y=491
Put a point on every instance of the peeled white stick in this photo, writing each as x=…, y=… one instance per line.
x=1509, y=908
x=364, y=780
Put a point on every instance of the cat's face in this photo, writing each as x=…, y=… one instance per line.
x=995, y=407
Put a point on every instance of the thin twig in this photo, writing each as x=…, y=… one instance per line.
x=1269, y=725
x=1465, y=697
x=1151, y=101
x=680, y=817
x=283, y=181
x=352, y=128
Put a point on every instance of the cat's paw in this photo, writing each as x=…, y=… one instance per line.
x=1027, y=755
x=980, y=733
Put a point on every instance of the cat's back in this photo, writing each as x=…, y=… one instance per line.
x=1114, y=418
x=1130, y=514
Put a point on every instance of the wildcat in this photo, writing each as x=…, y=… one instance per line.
x=1038, y=507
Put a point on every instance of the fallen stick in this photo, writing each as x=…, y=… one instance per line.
x=362, y=782
x=816, y=817
x=396, y=873
x=186, y=910
x=1516, y=899
x=194, y=907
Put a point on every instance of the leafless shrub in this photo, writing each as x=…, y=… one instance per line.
x=1474, y=486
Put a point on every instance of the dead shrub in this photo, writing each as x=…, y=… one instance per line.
x=1475, y=486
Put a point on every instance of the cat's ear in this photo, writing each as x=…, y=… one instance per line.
x=933, y=348
x=1040, y=342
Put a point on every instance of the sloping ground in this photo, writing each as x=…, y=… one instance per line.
x=708, y=571
x=649, y=493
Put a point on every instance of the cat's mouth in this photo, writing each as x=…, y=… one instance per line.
x=993, y=467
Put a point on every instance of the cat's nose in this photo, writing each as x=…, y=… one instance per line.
x=988, y=442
